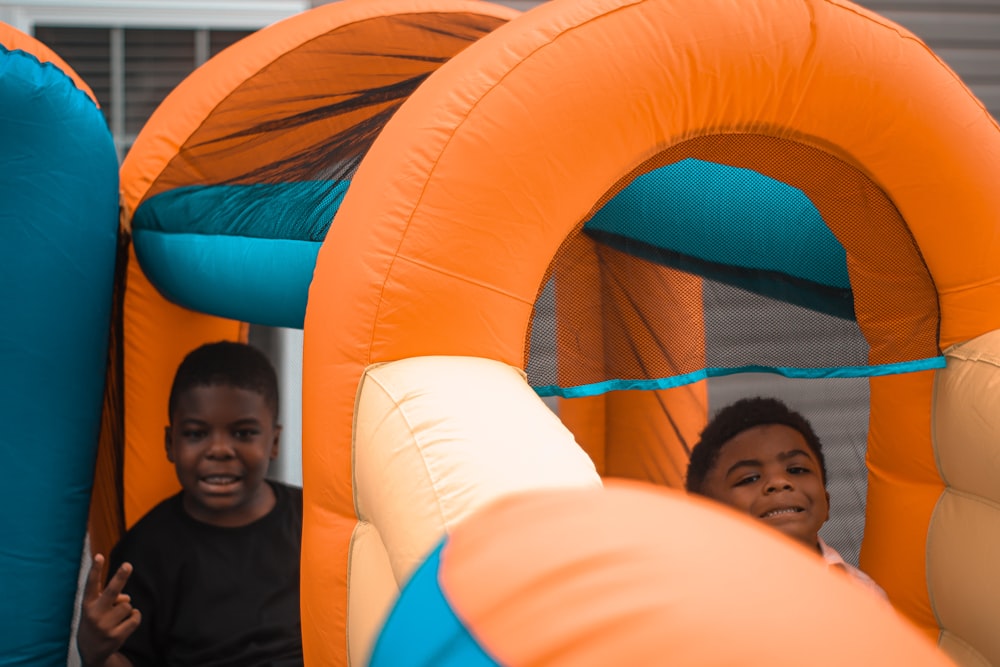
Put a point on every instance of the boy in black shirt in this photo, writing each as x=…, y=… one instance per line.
x=209, y=576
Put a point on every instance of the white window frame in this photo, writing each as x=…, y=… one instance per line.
x=191, y=14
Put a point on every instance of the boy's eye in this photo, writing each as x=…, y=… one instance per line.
x=246, y=433
x=193, y=434
x=798, y=470
x=749, y=479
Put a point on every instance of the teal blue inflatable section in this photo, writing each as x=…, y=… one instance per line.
x=58, y=238
x=728, y=216
x=734, y=226
x=247, y=252
x=423, y=630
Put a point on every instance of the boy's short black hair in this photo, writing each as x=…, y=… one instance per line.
x=740, y=416
x=226, y=363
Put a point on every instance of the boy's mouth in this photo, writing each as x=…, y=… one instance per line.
x=220, y=480
x=780, y=511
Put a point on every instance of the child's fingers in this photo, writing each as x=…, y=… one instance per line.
x=118, y=615
x=117, y=583
x=128, y=626
x=92, y=587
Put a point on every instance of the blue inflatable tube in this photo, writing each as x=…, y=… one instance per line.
x=58, y=237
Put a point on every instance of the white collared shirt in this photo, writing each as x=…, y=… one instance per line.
x=834, y=559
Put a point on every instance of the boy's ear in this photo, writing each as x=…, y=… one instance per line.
x=276, y=442
x=166, y=443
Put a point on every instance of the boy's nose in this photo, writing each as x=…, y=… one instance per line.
x=219, y=446
x=778, y=483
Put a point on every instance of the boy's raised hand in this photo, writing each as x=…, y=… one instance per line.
x=107, y=617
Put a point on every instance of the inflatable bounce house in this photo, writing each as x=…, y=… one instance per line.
x=468, y=209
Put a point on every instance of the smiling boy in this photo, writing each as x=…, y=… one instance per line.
x=764, y=459
x=210, y=575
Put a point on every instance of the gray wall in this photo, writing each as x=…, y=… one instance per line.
x=964, y=33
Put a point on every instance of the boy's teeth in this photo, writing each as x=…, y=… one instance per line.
x=220, y=479
x=789, y=510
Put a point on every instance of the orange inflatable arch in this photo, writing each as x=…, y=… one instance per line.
x=298, y=102
x=453, y=223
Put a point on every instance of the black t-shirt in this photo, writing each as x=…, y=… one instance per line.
x=212, y=596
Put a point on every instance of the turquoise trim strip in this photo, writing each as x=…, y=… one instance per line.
x=598, y=388
x=423, y=630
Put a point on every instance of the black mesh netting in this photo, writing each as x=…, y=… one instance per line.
x=619, y=314
x=624, y=310
x=742, y=327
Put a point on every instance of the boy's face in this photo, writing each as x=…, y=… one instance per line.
x=770, y=472
x=221, y=440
